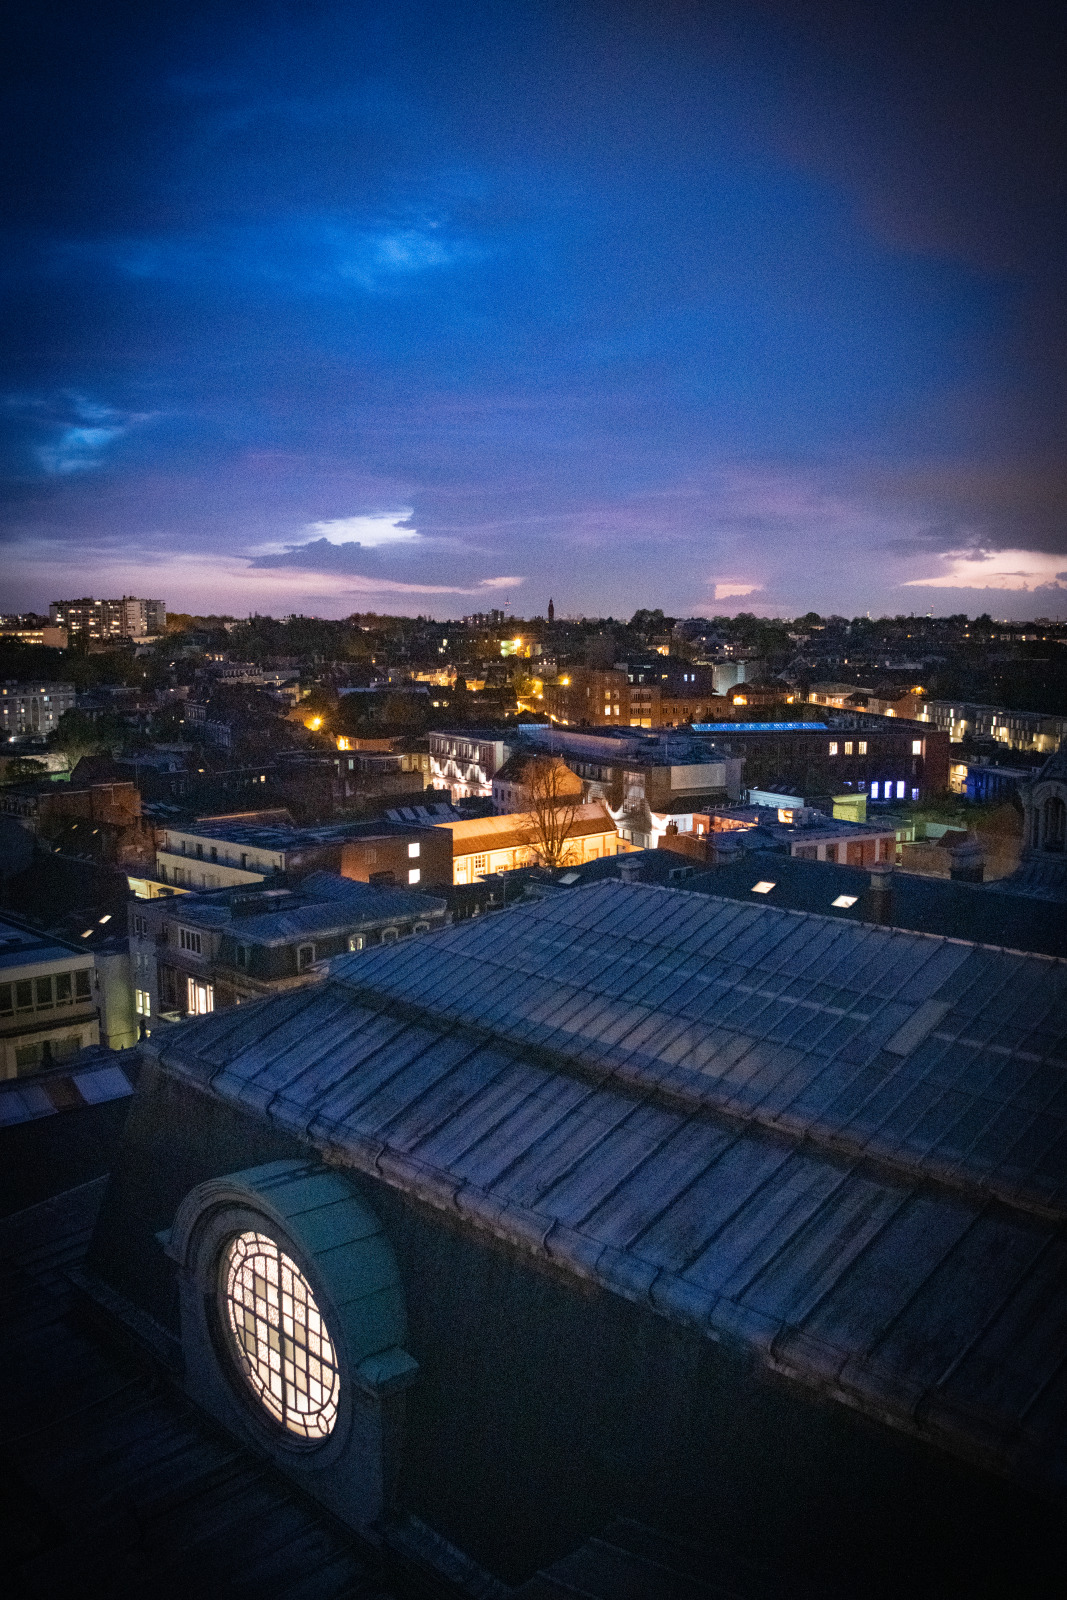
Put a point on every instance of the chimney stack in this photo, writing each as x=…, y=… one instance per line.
x=726, y=846
x=967, y=861
x=880, y=894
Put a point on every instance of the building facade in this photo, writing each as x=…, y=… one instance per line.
x=487, y=845
x=33, y=708
x=196, y=954
x=49, y=1000
x=100, y=621
x=465, y=760
x=882, y=758
x=1018, y=730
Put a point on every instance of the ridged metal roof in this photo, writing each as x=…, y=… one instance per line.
x=841, y=1146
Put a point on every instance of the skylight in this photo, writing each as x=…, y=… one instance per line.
x=763, y=887
x=845, y=900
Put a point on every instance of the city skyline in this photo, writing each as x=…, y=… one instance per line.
x=419, y=310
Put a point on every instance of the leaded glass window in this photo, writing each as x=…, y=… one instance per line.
x=280, y=1339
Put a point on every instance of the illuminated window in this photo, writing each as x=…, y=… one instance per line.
x=862, y=747
x=763, y=887
x=916, y=747
x=142, y=1002
x=845, y=900
x=279, y=1339
x=355, y=941
x=200, y=998
x=874, y=791
x=900, y=788
x=414, y=875
x=413, y=852
x=833, y=747
x=848, y=747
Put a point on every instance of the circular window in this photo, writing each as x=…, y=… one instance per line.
x=280, y=1340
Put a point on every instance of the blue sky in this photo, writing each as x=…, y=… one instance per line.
x=421, y=307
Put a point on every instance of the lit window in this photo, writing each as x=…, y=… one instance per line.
x=862, y=747
x=414, y=875
x=355, y=941
x=848, y=747
x=916, y=747
x=900, y=788
x=201, y=998
x=280, y=1340
x=413, y=852
x=142, y=1002
x=763, y=887
x=845, y=900
x=874, y=791
x=833, y=745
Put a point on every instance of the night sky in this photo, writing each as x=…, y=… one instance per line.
x=425, y=307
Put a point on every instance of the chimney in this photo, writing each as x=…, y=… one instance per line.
x=880, y=894
x=726, y=847
x=629, y=871
x=967, y=861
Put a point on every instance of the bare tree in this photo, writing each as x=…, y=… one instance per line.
x=554, y=805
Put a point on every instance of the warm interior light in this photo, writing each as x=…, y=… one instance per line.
x=280, y=1339
x=763, y=887
x=845, y=900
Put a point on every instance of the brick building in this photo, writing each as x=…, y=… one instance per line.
x=885, y=758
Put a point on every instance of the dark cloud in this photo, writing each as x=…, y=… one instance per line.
x=600, y=292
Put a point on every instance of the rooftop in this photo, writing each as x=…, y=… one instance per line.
x=837, y=1147
x=322, y=904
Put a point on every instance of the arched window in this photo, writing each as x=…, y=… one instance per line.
x=279, y=1339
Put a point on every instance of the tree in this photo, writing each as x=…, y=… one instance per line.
x=554, y=806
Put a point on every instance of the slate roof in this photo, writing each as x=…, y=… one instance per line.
x=996, y=913
x=323, y=903
x=840, y=1147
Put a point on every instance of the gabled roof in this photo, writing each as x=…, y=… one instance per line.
x=840, y=1147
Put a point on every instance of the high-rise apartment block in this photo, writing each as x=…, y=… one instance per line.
x=95, y=620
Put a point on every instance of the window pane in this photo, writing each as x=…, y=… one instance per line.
x=82, y=985
x=24, y=995
x=64, y=988
x=7, y=999
x=43, y=992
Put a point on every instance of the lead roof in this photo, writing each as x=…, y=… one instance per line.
x=841, y=1147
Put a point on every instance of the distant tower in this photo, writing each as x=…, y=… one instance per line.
x=551, y=613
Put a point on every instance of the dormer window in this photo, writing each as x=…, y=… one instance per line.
x=305, y=957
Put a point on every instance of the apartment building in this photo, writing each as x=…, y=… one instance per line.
x=100, y=621
x=33, y=708
x=201, y=953
x=1018, y=730
x=49, y=1000
x=223, y=853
